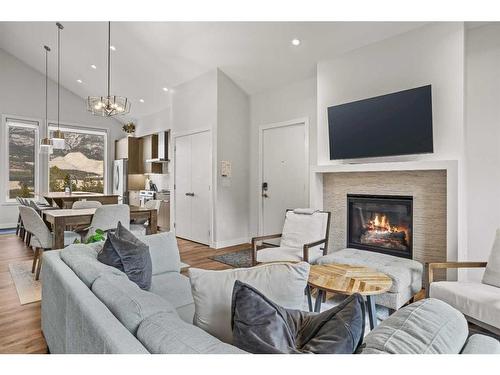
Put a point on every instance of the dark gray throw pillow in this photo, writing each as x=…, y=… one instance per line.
x=262, y=327
x=126, y=252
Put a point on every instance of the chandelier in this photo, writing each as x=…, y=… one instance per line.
x=109, y=105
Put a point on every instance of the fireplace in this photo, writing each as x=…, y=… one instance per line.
x=380, y=223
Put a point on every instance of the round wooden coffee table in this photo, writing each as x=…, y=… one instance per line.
x=346, y=279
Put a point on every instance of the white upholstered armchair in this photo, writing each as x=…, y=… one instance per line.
x=304, y=238
x=479, y=301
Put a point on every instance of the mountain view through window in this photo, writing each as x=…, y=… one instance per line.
x=22, y=159
x=80, y=163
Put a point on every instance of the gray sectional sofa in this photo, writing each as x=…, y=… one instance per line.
x=88, y=307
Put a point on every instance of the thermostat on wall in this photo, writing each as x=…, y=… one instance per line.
x=225, y=168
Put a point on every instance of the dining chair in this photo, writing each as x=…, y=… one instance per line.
x=19, y=227
x=86, y=204
x=41, y=238
x=106, y=217
x=304, y=238
x=140, y=226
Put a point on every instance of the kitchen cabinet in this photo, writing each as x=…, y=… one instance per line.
x=150, y=151
x=164, y=212
x=130, y=148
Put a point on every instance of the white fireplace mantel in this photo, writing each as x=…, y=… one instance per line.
x=388, y=166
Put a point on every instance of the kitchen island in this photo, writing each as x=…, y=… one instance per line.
x=66, y=200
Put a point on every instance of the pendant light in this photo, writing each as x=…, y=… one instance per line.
x=46, y=143
x=58, y=141
x=109, y=105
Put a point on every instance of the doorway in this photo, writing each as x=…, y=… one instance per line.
x=283, y=172
x=193, y=186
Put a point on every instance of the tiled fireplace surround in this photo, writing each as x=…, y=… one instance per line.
x=429, y=192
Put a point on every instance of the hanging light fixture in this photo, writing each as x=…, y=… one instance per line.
x=110, y=105
x=46, y=143
x=58, y=142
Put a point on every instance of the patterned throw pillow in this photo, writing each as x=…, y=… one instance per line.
x=262, y=327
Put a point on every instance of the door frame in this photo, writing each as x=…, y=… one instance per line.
x=173, y=217
x=282, y=124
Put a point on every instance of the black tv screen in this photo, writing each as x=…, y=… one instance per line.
x=394, y=124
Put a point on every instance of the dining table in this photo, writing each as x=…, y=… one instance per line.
x=62, y=199
x=60, y=219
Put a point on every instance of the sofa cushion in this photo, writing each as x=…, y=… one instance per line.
x=164, y=252
x=303, y=228
x=82, y=259
x=173, y=287
x=479, y=301
x=403, y=272
x=429, y=326
x=286, y=254
x=126, y=252
x=282, y=283
x=165, y=333
x=481, y=344
x=263, y=327
x=128, y=303
x=491, y=275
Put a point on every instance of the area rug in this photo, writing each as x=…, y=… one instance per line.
x=237, y=259
x=28, y=289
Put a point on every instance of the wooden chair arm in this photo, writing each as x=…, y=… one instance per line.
x=254, y=245
x=307, y=246
x=446, y=265
x=267, y=237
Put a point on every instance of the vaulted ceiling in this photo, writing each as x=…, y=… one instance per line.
x=152, y=55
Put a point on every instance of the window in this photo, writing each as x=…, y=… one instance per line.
x=22, y=156
x=83, y=161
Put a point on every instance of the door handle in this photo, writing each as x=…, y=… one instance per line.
x=190, y=194
x=265, y=195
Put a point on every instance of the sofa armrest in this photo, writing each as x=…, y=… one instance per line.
x=481, y=344
x=446, y=265
x=254, y=244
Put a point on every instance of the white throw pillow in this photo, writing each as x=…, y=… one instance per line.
x=282, y=283
x=492, y=273
x=301, y=229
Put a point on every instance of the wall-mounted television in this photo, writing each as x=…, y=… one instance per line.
x=399, y=123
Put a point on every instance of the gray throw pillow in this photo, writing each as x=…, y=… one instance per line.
x=262, y=327
x=127, y=253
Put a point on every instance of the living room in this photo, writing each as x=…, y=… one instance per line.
x=184, y=185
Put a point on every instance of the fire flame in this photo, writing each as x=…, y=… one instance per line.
x=381, y=223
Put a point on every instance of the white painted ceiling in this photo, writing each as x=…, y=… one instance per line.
x=151, y=55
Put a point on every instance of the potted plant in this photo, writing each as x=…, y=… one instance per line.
x=129, y=128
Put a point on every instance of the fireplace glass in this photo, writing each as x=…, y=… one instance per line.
x=380, y=223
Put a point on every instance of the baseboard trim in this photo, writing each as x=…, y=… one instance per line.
x=232, y=242
x=8, y=226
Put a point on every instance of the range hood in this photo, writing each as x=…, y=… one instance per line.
x=162, y=149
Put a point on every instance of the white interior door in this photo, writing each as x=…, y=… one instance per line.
x=192, y=187
x=284, y=161
x=182, y=187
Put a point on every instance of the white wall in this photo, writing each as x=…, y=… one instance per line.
x=297, y=100
x=432, y=54
x=482, y=140
x=233, y=113
x=22, y=94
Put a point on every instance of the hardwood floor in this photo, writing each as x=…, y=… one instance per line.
x=20, y=325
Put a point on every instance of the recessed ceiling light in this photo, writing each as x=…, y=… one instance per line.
x=93, y=66
x=112, y=48
x=79, y=81
x=295, y=42
x=165, y=89
x=141, y=100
